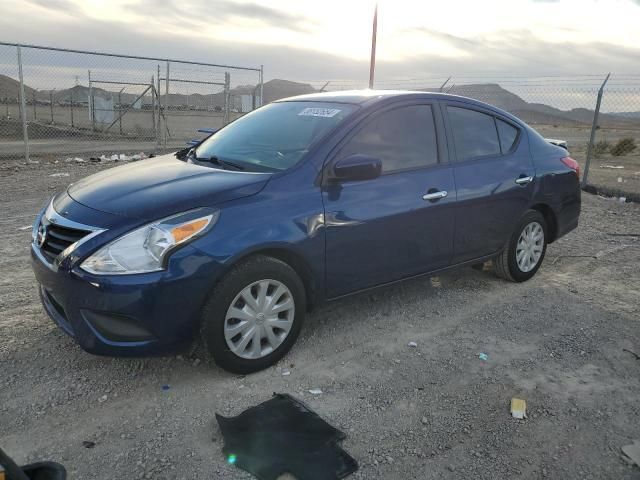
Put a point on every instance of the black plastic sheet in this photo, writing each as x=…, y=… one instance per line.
x=283, y=435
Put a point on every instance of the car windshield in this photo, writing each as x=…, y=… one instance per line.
x=274, y=137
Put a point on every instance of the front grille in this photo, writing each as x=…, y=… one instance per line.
x=59, y=238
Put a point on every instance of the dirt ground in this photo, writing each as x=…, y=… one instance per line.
x=562, y=341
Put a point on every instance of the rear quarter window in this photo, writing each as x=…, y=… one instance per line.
x=474, y=133
x=508, y=135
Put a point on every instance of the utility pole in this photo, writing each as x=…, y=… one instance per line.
x=372, y=65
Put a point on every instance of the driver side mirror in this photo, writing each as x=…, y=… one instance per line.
x=357, y=167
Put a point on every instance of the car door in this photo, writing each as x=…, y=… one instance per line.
x=385, y=229
x=494, y=175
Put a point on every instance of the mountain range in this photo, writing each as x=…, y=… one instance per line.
x=492, y=93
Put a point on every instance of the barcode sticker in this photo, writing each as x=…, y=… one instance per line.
x=319, y=112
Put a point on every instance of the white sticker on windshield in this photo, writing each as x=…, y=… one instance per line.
x=319, y=112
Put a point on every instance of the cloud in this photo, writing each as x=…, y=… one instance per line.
x=503, y=52
x=454, y=40
x=203, y=12
x=59, y=6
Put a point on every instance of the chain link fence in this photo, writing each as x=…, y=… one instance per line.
x=58, y=102
x=560, y=108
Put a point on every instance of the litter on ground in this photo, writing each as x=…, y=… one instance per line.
x=483, y=356
x=315, y=391
x=633, y=452
x=518, y=408
x=61, y=174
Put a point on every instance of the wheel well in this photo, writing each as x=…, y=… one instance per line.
x=550, y=218
x=296, y=262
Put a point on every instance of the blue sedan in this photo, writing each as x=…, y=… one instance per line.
x=302, y=201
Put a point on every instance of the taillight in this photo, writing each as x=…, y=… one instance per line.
x=572, y=164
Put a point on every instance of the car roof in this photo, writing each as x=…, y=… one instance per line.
x=369, y=97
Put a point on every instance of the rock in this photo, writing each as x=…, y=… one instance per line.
x=102, y=399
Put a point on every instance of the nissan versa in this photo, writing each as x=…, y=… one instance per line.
x=304, y=200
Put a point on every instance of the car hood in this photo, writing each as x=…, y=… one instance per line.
x=161, y=186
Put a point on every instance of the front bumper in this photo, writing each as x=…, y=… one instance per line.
x=129, y=315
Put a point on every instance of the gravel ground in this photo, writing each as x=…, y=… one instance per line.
x=431, y=411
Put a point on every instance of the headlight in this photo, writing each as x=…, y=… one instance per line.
x=144, y=249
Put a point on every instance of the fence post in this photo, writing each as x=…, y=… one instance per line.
x=91, y=105
x=51, y=104
x=35, y=106
x=23, y=108
x=71, y=97
x=441, y=89
x=153, y=107
x=261, y=85
x=120, y=109
x=227, y=107
x=159, y=105
x=166, y=106
x=594, y=127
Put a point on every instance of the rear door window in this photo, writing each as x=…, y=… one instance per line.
x=508, y=135
x=474, y=133
x=403, y=138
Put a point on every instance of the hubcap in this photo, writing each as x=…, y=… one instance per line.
x=259, y=319
x=529, y=248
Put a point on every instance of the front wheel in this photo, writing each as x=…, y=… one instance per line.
x=522, y=256
x=254, y=315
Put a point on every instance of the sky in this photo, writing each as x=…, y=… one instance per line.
x=330, y=39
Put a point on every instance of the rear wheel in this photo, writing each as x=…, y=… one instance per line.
x=254, y=315
x=522, y=256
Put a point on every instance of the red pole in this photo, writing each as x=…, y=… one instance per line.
x=372, y=65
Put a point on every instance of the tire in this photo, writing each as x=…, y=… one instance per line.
x=257, y=274
x=506, y=263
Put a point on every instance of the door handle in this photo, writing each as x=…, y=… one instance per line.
x=435, y=195
x=524, y=180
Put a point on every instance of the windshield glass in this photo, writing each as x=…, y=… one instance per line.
x=274, y=137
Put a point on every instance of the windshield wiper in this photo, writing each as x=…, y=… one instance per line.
x=215, y=160
x=224, y=163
